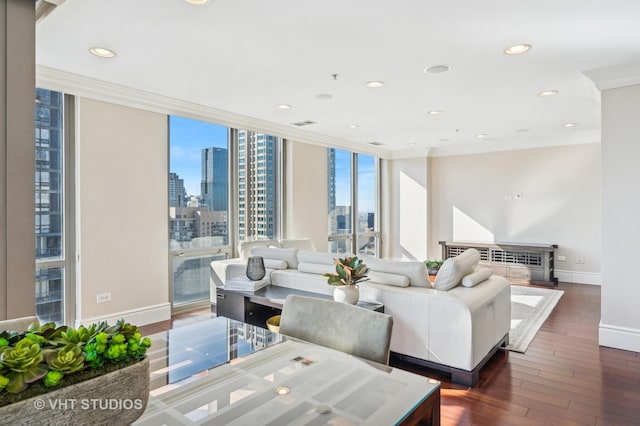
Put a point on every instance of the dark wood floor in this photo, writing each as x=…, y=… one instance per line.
x=564, y=378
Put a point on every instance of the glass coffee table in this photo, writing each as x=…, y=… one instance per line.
x=225, y=372
x=256, y=307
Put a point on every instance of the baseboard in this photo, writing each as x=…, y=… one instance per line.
x=142, y=316
x=618, y=337
x=592, y=278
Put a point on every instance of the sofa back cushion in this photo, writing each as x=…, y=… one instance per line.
x=322, y=258
x=245, y=247
x=454, y=269
x=416, y=271
x=300, y=244
x=290, y=255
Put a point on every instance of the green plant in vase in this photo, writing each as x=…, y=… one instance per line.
x=349, y=272
x=433, y=265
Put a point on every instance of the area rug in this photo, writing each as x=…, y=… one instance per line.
x=530, y=307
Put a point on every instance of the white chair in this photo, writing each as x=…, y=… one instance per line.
x=346, y=328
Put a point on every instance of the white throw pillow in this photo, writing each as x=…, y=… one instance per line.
x=316, y=268
x=481, y=274
x=290, y=255
x=454, y=269
x=415, y=270
x=385, y=278
x=275, y=264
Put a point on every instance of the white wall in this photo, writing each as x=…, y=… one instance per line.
x=561, y=204
x=620, y=321
x=122, y=226
x=306, y=193
x=404, y=208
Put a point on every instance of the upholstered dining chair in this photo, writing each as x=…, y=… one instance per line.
x=346, y=328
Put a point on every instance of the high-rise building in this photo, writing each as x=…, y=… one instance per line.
x=331, y=185
x=214, y=185
x=177, y=192
x=257, y=185
x=49, y=203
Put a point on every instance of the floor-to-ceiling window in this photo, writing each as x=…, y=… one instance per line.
x=199, y=215
x=353, y=212
x=53, y=197
x=223, y=189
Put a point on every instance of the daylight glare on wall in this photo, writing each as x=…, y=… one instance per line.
x=465, y=228
x=413, y=218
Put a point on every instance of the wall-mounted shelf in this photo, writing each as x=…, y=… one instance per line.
x=519, y=263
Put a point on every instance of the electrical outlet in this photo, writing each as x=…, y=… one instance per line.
x=580, y=260
x=561, y=258
x=103, y=297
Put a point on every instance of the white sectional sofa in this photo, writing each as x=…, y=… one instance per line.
x=445, y=325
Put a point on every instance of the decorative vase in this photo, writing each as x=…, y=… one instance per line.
x=346, y=294
x=255, y=268
x=118, y=397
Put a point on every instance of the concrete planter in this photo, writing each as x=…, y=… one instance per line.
x=116, y=398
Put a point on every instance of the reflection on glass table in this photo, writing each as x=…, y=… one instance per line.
x=224, y=372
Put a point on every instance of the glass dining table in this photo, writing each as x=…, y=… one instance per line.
x=225, y=372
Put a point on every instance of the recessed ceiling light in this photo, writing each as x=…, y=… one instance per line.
x=481, y=135
x=282, y=390
x=197, y=2
x=517, y=49
x=102, y=52
x=374, y=84
x=569, y=124
x=283, y=106
x=522, y=130
x=444, y=140
x=353, y=126
x=548, y=93
x=437, y=69
x=324, y=96
x=435, y=112
x=375, y=143
x=411, y=144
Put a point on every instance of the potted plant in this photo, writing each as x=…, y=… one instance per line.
x=67, y=374
x=433, y=265
x=349, y=272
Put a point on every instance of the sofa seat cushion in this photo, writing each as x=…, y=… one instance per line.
x=289, y=255
x=389, y=279
x=416, y=271
x=455, y=268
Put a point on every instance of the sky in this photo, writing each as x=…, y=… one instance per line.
x=188, y=137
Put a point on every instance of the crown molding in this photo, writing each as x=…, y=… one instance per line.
x=614, y=77
x=82, y=86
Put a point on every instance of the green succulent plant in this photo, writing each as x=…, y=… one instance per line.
x=66, y=360
x=49, y=353
x=23, y=364
x=349, y=271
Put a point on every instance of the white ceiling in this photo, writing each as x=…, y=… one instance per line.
x=246, y=56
